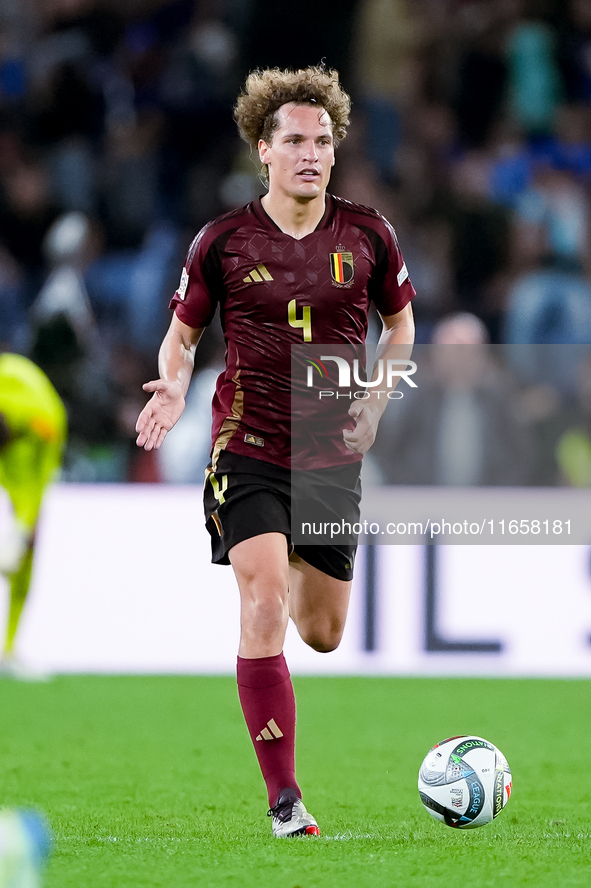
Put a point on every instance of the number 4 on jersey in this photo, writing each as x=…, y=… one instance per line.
x=305, y=322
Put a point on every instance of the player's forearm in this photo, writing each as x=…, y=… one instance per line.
x=176, y=358
x=398, y=331
x=395, y=344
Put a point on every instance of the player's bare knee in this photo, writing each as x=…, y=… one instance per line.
x=263, y=604
x=325, y=647
x=323, y=641
x=262, y=587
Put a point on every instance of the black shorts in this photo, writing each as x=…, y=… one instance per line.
x=246, y=497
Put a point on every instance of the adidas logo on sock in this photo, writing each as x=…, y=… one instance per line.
x=258, y=275
x=271, y=731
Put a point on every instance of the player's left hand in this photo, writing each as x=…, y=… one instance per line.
x=367, y=416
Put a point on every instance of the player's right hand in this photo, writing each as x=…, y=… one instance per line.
x=160, y=413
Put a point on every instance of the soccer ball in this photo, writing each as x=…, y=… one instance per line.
x=465, y=782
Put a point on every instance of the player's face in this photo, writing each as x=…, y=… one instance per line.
x=301, y=153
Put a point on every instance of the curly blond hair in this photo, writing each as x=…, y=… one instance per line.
x=265, y=91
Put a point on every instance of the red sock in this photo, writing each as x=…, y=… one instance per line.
x=268, y=703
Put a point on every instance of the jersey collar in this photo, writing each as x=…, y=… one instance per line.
x=266, y=220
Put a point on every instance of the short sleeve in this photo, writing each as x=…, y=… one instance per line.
x=197, y=295
x=390, y=286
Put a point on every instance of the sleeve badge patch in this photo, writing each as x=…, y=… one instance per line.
x=183, y=284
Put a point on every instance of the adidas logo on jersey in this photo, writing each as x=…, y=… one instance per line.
x=271, y=731
x=258, y=275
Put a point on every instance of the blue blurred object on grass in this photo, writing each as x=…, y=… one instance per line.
x=25, y=844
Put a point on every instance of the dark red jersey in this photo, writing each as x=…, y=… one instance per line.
x=275, y=292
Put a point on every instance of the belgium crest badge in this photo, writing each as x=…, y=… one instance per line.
x=342, y=267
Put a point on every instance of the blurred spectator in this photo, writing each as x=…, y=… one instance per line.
x=14, y=330
x=576, y=51
x=66, y=345
x=550, y=302
x=67, y=122
x=552, y=225
x=128, y=181
x=428, y=255
x=130, y=288
x=511, y=164
x=128, y=281
x=479, y=237
x=26, y=211
x=67, y=100
x=387, y=36
x=197, y=91
x=569, y=146
x=481, y=77
x=535, y=83
x=463, y=426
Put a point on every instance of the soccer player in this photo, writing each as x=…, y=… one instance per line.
x=32, y=437
x=296, y=266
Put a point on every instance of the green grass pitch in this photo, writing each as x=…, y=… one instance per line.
x=151, y=782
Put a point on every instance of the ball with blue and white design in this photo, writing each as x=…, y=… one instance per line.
x=25, y=844
x=465, y=782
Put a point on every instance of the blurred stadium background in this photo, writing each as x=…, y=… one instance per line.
x=471, y=132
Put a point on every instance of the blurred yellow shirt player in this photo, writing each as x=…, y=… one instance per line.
x=33, y=430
